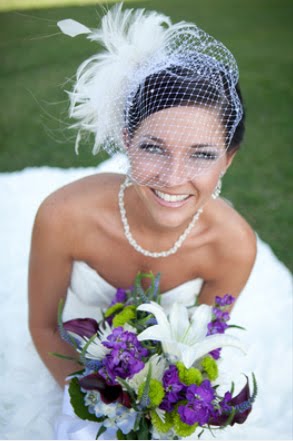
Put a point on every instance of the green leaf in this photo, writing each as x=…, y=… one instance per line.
x=230, y=418
x=156, y=287
x=143, y=296
x=73, y=374
x=90, y=340
x=237, y=327
x=120, y=434
x=200, y=433
x=146, y=390
x=131, y=435
x=77, y=402
x=65, y=357
x=102, y=429
x=137, y=422
x=255, y=388
x=232, y=388
x=143, y=432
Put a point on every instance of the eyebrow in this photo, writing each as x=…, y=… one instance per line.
x=193, y=146
x=154, y=138
x=200, y=146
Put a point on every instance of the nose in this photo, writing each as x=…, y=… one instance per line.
x=174, y=172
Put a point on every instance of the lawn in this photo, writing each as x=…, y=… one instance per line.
x=37, y=63
x=15, y=5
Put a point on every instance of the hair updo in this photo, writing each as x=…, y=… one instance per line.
x=176, y=86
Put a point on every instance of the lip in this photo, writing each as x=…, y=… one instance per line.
x=176, y=204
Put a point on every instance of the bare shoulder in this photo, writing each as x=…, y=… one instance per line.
x=70, y=209
x=231, y=252
x=236, y=238
x=70, y=199
x=232, y=242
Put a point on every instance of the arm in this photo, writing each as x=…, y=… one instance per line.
x=49, y=275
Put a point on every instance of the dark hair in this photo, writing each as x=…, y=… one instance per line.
x=176, y=86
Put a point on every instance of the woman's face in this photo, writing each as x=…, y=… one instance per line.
x=176, y=157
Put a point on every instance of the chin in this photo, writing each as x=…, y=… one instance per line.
x=173, y=215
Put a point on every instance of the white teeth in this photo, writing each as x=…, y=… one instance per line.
x=171, y=197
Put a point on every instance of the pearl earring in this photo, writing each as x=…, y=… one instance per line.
x=217, y=191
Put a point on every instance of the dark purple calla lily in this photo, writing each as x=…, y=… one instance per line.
x=85, y=327
x=109, y=393
x=243, y=404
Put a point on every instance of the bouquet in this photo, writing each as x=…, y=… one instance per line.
x=151, y=374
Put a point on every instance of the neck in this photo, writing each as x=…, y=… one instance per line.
x=132, y=240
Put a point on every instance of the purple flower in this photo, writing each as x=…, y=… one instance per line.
x=216, y=353
x=224, y=301
x=220, y=314
x=217, y=327
x=219, y=323
x=125, y=340
x=225, y=407
x=173, y=388
x=204, y=392
x=121, y=364
x=199, y=407
x=242, y=403
x=120, y=296
x=125, y=358
x=85, y=327
x=194, y=412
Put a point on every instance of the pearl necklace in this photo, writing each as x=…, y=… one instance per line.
x=131, y=239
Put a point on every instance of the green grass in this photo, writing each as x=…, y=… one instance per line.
x=34, y=67
x=10, y=5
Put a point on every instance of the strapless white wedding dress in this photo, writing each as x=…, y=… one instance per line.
x=31, y=402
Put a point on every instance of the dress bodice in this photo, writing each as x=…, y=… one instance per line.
x=89, y=293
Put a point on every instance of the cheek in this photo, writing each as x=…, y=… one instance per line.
x=141, y=170
x=147, y=168
x=209, y=177
x=206, y=183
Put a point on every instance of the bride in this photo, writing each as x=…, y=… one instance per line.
x=165, y=101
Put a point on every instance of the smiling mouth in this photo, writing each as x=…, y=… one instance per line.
x=170, y=197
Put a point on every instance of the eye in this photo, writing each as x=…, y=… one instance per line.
x=207, y=155
x=152, y=148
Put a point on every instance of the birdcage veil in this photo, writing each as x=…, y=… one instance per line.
x=164, y=94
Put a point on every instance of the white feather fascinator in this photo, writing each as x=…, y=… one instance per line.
x=137, y=44
x=99, y=95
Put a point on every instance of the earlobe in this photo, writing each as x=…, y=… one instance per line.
x=229, y=158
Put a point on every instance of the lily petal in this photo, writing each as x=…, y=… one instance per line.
x=157, y=311
x=209, y=344
x=178, y=319
x=153, y=333
x=200, y=319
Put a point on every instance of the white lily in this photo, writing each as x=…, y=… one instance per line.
x=184, y=338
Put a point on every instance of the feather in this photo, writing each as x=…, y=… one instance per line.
x=72, y=28
x=98, y=99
